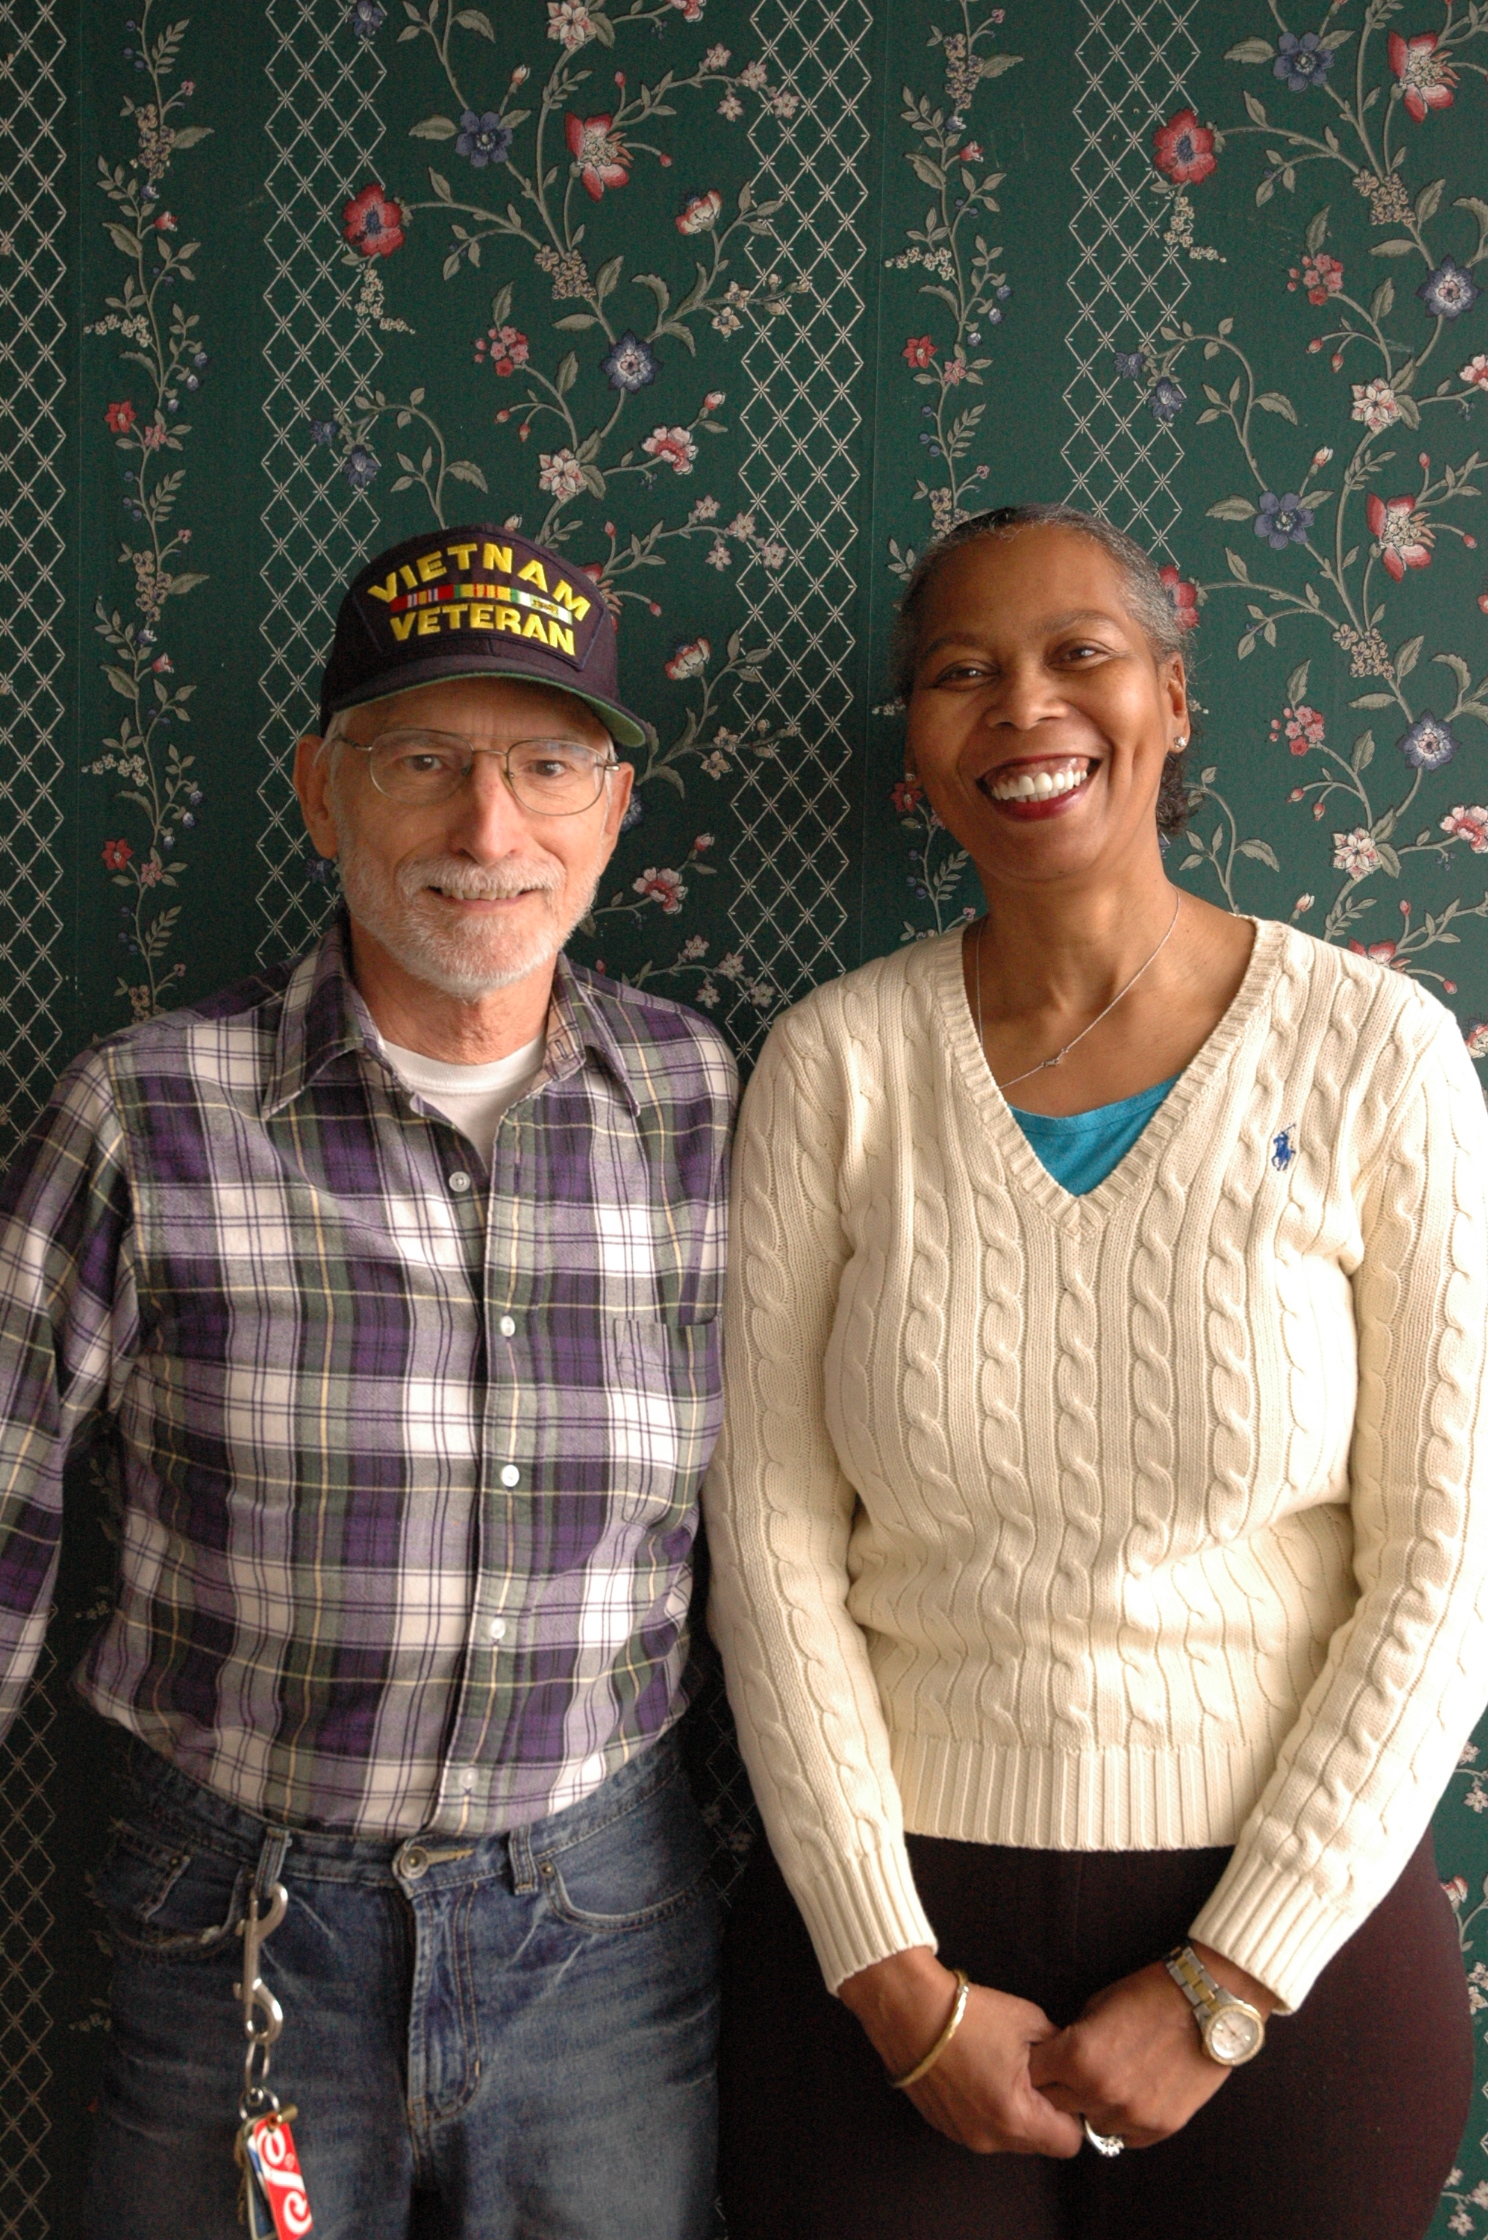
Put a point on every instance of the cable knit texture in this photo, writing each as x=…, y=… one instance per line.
x=1145, y=1520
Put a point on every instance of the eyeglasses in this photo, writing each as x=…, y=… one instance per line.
x=550, y=777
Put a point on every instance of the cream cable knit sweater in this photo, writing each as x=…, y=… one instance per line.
x=1140, y=1521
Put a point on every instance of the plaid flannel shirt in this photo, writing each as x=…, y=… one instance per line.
x=410, y=1455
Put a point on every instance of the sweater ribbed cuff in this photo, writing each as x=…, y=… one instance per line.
x=861, y=1910
x=1273, y=1926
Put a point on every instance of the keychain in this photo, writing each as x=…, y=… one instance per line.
x=265, y=2148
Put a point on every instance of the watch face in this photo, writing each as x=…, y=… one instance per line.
x=1233, y=2035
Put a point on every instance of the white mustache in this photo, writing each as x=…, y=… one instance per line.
x=468, y=882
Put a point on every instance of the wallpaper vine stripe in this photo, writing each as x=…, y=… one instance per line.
x=321, y=351
x=1129, y=274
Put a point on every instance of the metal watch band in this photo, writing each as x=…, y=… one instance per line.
x=1210, y=2003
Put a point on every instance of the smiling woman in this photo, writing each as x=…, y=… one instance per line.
x=1098, y=1516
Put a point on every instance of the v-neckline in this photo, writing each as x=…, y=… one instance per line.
x=1131, y=1171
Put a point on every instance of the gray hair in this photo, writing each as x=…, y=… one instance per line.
x=1146, y=597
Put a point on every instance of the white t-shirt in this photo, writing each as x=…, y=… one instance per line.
x=472, y=1097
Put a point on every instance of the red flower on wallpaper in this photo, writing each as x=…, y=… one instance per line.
x=1426, y=78
x=116, y=854
x=1184, y=149
x=1402, y=536
x=601, y=160
x=907, y=796
x=918, y=351
x=1184, y=595
x=120, y=417
x=373, y=223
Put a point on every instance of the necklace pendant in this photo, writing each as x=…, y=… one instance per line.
x=1056, y=1060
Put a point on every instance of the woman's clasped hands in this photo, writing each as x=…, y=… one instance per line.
x=1010, y=2082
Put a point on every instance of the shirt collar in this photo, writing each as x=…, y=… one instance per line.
x=324, y=1019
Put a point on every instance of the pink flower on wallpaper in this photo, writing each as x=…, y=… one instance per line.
x=116, y=854
x=373, y=223
x=1184, y=595
x=918, y=351
x=1470, y=825
x=665, y=887
x=1402, y=535
x=602, y=162
x=1183, y=149
x=1426, y=78
x=120, y=417
x=672, y=447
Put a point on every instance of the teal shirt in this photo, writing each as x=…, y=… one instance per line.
x=1081, y=1148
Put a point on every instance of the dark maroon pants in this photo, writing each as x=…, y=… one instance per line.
x=1344, y=2128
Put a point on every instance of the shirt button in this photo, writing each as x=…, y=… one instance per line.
x=459, y=1182
x=498, y=1629
x=467, y=1780
x=510, y=1474
x=507, y=1327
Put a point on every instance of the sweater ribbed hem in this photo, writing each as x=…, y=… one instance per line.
x=860, y=1910
x=1183, y=1799
x=1274, y=1927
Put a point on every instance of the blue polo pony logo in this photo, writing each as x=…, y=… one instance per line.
x=1283, y=1150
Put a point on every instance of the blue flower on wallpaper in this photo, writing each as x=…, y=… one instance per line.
x=1131, y=366
x=1428, y=744
x=1167, y=400
x=1282, y=521
x=630, y=365
x=324, y=431
x=1450, y=290
x=484, y=139
x=366, y=18
x=361, y=466
x=1302, y=62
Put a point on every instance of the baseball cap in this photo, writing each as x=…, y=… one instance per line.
x=476, y=601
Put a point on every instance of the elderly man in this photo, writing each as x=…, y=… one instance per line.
x=395, y=1270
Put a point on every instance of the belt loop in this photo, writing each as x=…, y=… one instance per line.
x=271, y=1858
x=523, y=1872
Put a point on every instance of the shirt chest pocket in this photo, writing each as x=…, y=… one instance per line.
x=665, y=1401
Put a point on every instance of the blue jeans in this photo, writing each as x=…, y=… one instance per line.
x=512, y=2037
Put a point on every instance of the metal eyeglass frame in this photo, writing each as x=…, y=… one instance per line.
x=367, y=747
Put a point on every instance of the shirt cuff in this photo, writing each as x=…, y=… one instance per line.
x=1272, y=1926
x=861, y=1910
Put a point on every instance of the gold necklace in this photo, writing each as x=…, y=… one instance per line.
x=1060, y=1055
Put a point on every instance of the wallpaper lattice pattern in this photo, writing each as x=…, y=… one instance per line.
x=739, y=304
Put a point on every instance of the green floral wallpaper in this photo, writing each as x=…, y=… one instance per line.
x=738, y=304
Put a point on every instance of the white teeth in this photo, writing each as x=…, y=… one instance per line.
x=1039, y=785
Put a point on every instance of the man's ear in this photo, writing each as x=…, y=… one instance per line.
x=312, y=783
x=621, y=784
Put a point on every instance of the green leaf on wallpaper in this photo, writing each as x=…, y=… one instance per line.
x=475, y=19
x=607, y=275
x=122, y=684
x=1297, y=684
x=189, y=136
x=1408, y=656
x=604, y=32
x=1428, y=201
x=178, y=586
x=1317, y=231
x=567, y=374
x=1399, y=247
x=1265, y=190
x=1480, y=212
x=466, y=470
x=1255, y=112
x=433, y=128
x=440, y=184
x=1459, y=669
x=1251, y=50
x=576, y=321
x=1233, y=509
x=1260, y=851
x=1410, y=411
x=929, y=174
x=1374, y=700
x=1389, y=861
x=1237, y=566
x=993, y=65
x=1333, y=40
x=127, y=243
x=1382, y=302
x=1272, y=400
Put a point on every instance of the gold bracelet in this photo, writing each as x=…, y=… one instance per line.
x=923, y=2068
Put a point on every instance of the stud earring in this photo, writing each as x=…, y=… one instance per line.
x=1180, y=743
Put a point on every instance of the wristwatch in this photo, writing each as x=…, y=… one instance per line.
x=1232, y=2030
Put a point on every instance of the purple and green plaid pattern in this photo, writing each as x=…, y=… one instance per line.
x=410, y=1456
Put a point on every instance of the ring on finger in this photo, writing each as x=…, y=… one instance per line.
x=1103, y=2142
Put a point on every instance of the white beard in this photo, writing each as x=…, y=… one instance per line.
x=469, y=960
